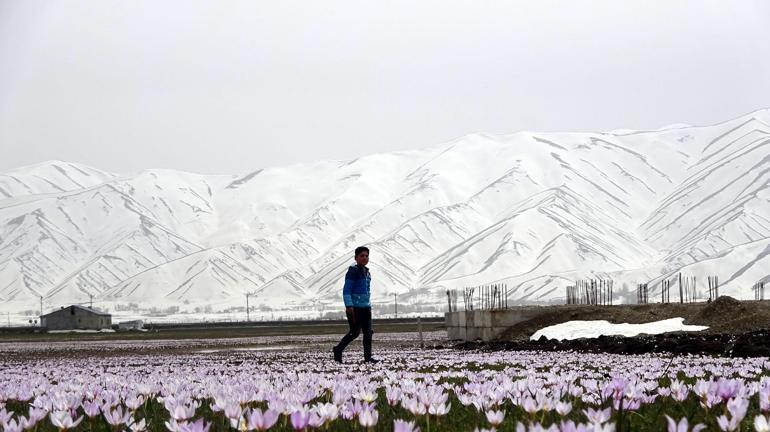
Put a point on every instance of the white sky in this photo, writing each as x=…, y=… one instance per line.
x=232, y=86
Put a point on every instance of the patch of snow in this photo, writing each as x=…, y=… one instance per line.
x=592, y=329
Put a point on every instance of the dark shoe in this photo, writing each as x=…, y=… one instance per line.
x=337, y=354
x=372, y=360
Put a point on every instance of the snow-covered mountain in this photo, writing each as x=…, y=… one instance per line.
x=533, y=210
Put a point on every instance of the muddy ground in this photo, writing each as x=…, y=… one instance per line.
x=221, y=330
x=749, y=344
x=290, y=338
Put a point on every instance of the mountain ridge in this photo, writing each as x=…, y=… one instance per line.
x=510, y=208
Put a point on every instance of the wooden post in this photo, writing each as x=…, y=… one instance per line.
x=506, y=296
x=419, y=330
x=694, y=290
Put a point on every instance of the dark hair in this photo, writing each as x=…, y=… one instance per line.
x=361, y=249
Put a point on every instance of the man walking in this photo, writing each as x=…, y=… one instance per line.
x=358, y=310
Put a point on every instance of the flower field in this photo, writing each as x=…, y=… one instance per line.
x=291, y=383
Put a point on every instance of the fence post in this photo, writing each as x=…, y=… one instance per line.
x=694, y=290
x=506, y=296
x=419, y=330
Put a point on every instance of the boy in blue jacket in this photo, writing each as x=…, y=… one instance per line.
x=358, y=309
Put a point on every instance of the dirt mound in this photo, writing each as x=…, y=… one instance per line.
x=633, y=314
x=722, y=306
x=736, y=329
x=729, y=315
x=725, y=315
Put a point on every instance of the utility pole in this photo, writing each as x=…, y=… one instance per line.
x=41, y=306
x=419, y=330
x=395, y=303
x=248, y=317
x=91, y=303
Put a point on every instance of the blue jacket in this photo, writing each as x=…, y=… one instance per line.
x=355, y=293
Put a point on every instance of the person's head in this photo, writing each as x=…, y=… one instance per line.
x=362, y=255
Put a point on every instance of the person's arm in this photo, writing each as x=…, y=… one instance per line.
x=347, y=291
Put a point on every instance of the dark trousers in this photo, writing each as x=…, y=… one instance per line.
x=359, y=321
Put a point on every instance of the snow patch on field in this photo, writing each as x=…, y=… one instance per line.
x=592, y=329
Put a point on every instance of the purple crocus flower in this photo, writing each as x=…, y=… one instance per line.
x=258, y=420
x=392, y=394
x=36, y=414
x=563, y=408
x=683, y=425
x=12, y=426
x=91, y=408
x=764, y=399
x=761, y=424
x=299, y=419
x=495, y=417
x=182, y=412
x=117, y=417
x=728, y=388
x=137, y=426
x=368, y=418
x=597, y=416
x=404, y=426
x=737, y=408
x=63, y=420
x=5, y=415
x=198, y=426
x=134, y=402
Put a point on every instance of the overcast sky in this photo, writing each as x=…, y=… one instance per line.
x=231, y=86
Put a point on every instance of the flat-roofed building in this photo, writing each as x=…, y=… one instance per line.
x=76, y=317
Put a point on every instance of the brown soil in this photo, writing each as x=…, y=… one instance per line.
x=751, y=344
x=736, y=329
x=725, y=315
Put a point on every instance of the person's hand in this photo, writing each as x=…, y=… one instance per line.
x=349, y=313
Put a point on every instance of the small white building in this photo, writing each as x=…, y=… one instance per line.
x=131, y=325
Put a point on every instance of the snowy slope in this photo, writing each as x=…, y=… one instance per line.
x=533, y=210
x=49, y=177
